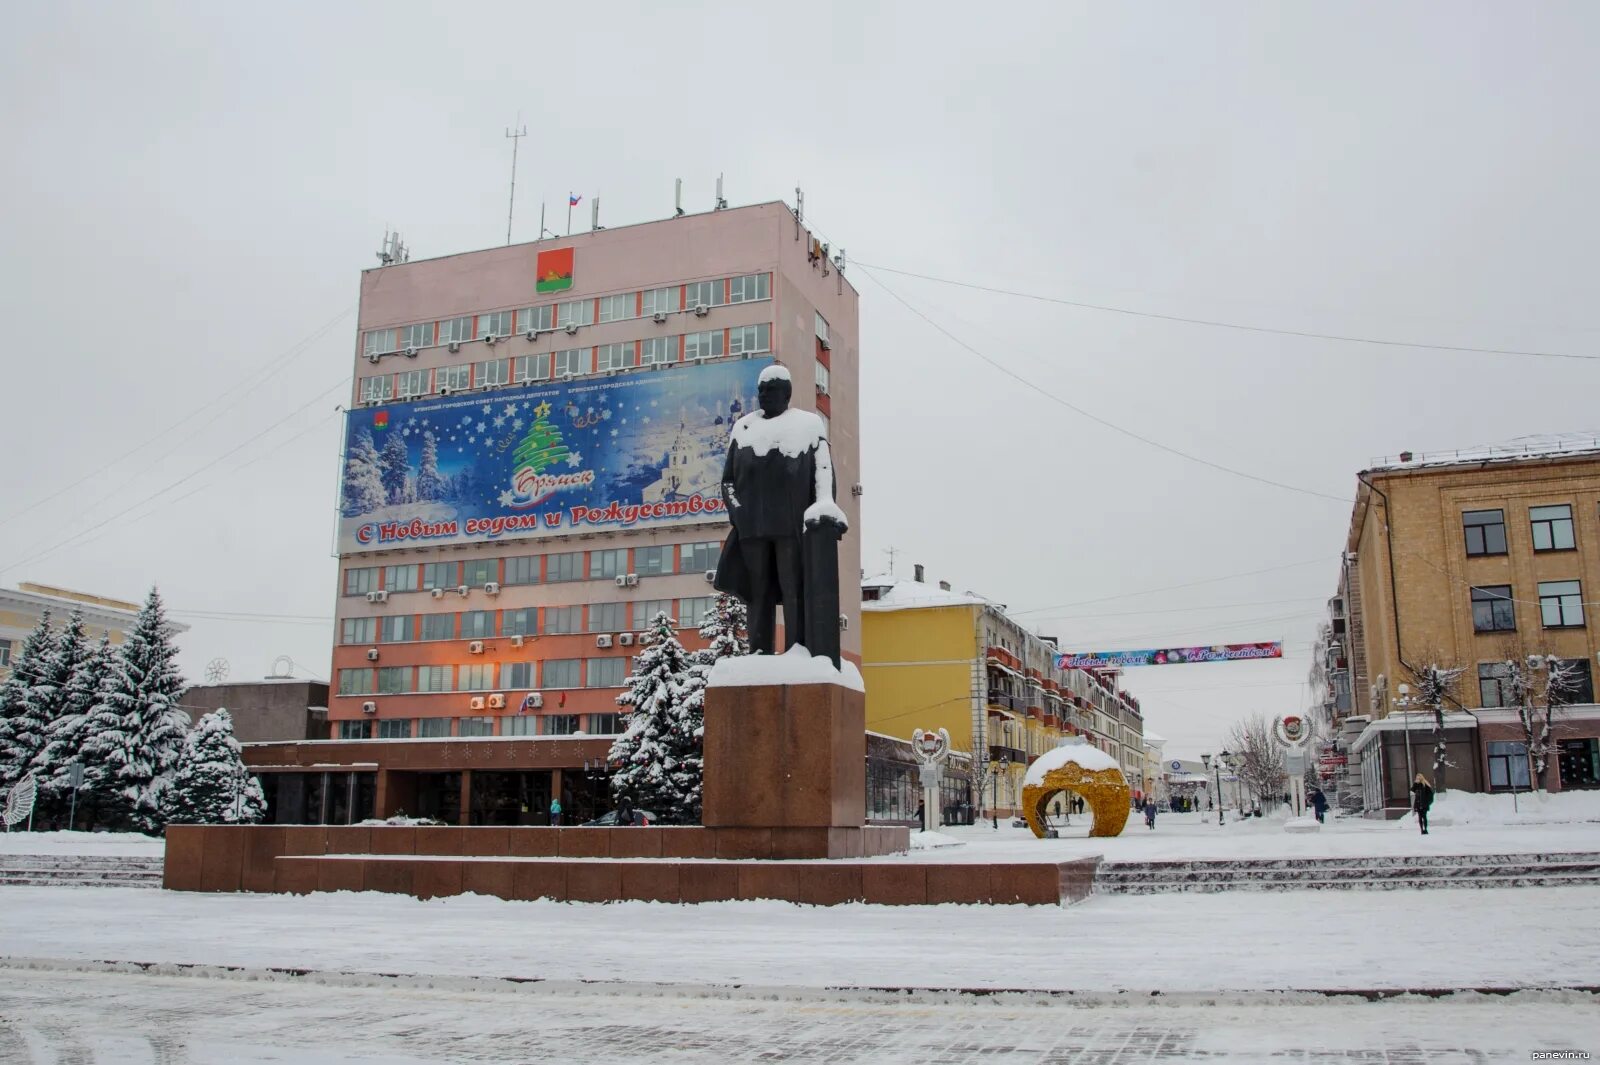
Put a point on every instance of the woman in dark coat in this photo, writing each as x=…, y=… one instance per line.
x=1319, y=804
x=1421, y=800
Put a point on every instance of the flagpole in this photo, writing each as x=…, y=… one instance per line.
x=569, y=214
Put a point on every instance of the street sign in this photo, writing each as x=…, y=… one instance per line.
x=75, y=774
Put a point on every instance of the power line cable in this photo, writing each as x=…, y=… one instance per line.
x=1081, y=412
x=1218, y=324
x=1170, y=587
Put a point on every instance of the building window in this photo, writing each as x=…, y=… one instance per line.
x=1552, y=528
x=697, y=558
x=567, y=567
x=475, y=726
x=361, y=580
x=355, y=730
x=748, y=339
x=1561, y=604
x=562, y=672
x=607, y=672
x=1485, y=531
x=377, y=389
x=645, y=610
x=400, y=578
x=480, y=571
x=396, y=629
x=692, y=612
x=1579, y=763
x=433, y=728
x=572, y=361
x=378, y=342
x=419, y=335
x=5, y=653
x=563, y=619
x=657, y=350
x=351, y=630
x=455, y=330
x=576, y=312
x=560, y=725
x=1494, y=683
x=492, y=373
x=604, y=565
x=411, y=383
x=516, y=675
x=605, y=724
x=652, y=560
x=659, y=301
x=1579, y=687
x=822, y=328
x=434, y=679
x=438, y=626
x=615, y=357
x=702, y=294
x=395, y=730
x=478, y=677
x=477, y=624
x=750, y=287
x=394, y=680
x=706, y=345
x=494, y=324
x=355, y=682
x=822, y=378
x=1492, y=609
x=524, y=622
x=524, y=569
x=453, y=378
x=526, y=368
x=439, y=575
x=540, y=318
x=1508, y=766
x=608, y=617
x=617, y=308
x=518, y=726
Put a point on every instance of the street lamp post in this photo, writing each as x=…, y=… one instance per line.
x=995, y=769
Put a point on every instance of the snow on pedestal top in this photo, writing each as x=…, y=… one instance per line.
x=1090, y=759
x=794, y=666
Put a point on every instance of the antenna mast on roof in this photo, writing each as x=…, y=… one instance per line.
x=511, y=206
x=722, y=204
x=392, y=251
x=677, y=198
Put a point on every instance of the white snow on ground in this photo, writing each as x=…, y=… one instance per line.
x=1230, y=941
x=927, y=841
x=116, y=844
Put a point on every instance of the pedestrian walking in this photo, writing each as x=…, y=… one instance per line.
x=1149, y=813
x=625, y=814
x=922, y=814
x=555, y=812
x=1319, y=804
x=1421, y=800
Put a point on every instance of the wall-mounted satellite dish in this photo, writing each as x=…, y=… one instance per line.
x=216, y=671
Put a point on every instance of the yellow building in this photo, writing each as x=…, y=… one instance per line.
x=933, y=658
x=21, y=609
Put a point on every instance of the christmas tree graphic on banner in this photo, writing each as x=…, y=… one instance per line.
x=540, y=449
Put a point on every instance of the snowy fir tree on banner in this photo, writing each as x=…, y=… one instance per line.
x=724, y=629
x=70, y=731
x=18, y=746
x=658, y=758
x=210, y=785
x=431, y=486
x=541, y=447
x=363, y=476
x=136, y=728
x=394, y=469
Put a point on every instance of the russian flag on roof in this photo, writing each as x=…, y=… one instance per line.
x=572, y=199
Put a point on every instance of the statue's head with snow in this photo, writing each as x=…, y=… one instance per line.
x=778, y=488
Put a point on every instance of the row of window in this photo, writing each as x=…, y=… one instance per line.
x=621, y=307
x=5, y=654
x=1550, y=526
x=558, y=620
x=1560, y=606
x=1494, y=684
x=423, y=728
x=604, y=358
x=608, y=564
x=481, y=676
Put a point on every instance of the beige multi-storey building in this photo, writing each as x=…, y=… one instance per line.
x=1467, y=559
x=21, y=609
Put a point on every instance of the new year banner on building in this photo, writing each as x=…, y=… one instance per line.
x=550, y=459
x=1170, y=656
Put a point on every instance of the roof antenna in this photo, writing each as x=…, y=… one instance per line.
x=511, y=205
x=799, y=210
x=722, y=204
x=677, y=199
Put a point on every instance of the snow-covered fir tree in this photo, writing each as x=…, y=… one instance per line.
x=210, y=785
x=659, y=756
x=136, y=728
x=17, y=749
x=70, y=731
x=44, y=698
x=725, y=630
x=363, y=476
x=394, y=468
x=431, y=485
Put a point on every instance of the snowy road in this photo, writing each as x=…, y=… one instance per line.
x=48, y=1018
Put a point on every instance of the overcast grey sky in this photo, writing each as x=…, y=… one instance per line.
x=191, y=190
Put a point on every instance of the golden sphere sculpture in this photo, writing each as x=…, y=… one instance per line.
x=1105, y=790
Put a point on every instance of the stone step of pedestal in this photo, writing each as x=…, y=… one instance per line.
x=1367, y=862
x=1332, y=872
x=1392, y=884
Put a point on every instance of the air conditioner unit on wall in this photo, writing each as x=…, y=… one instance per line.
x=622, y=580
x=711, y=576
x=572, y=329
x=369, y=708
x=532, y=334
x=411, y=353
x=603, y=640
x=659, y=317
x=374, y=356
x=497, y=702
x=492, y=588
x=490, y=339
x=475, y=647
x=454, y=346
x=534, y=701
x=633, y=579
x=701, y=311
x=517, y=640
x=475, y=703
x=372, y=654
x=462, y=590
x=437, y=593
x=626, y=639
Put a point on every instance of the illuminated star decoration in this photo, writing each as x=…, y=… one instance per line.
x=542, y=410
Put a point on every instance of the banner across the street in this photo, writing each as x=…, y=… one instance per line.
x=1169, y=656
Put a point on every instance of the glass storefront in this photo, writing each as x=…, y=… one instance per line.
x=330, y=798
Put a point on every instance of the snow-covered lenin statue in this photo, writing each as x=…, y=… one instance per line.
x=778, y=485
